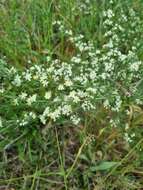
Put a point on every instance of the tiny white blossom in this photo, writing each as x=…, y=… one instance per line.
x=33, y=115
x=68, y=83
x=73, y=95
x=35, y=77
x=76, y=59
x=133, y=135
x=45, y=83
x=128, y=138
x=106, y=104
x=66, y=109
x=103, y=76
x=75, y=120
x=15, y=102
x=61, y=87
x=55, y=114
x=135, y=66
x=17, y=80
x=46, y=111
x=23, y=123
x=31, y=99
x=23, y=96
x=42, y=119
x=48, y=95
x=13, y=70
x=28, y=76
x=48, y=58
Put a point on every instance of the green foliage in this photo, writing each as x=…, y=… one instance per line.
x=71, y=94
x=103, y=166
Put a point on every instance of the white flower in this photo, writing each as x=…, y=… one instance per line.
x=43, y=76
x=135, y=66
x=46, y=111
x=138, y=101
x=93, y=90
x=13, y=70
x=48, y=95
x=118, y=103
x=35, y=77
x=23, y=96
x=133, y=135
x=75, y=120
x=26, y=116
x=86, y=105
x=73, y=95
x=50, y=69
x=109, y=67
x=48, y=58
x=33, y=115
x=112, y=123
x=92, y=75
x=76, y=59
x=56, y=114
x=57, y=22
x=127, y=112
x=23, y=123
x=31, y=99
x=103, y=76
x=106, y=104
x=45, y=83
x=66, y=109
x=42, y=119
x=128, y=138
x=17, y=80
x=68, y=32
x=68, y=83
x=15, y=102
x=27, y=76
x=110, y=13
x=61, y=87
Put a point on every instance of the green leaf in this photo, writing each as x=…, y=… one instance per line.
x=104, y=166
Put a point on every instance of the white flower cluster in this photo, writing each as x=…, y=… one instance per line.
x=62, y=90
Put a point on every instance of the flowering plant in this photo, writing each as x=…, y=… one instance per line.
x=106, y=74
